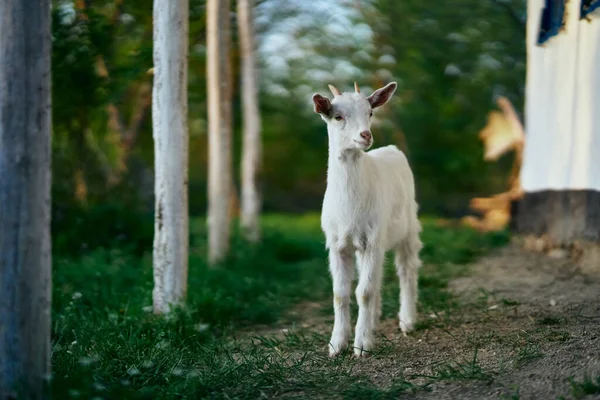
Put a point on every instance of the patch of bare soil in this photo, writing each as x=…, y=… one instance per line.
x=530, y=323
x=543, y=301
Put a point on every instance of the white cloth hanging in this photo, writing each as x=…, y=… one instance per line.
x=562, y=105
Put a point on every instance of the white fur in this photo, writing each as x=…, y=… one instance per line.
x=369, y=208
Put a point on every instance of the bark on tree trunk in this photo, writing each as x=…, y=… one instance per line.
x=219, y=128
x=251, y=152
x=562, y=217
x=170, y=132
x=25, y=254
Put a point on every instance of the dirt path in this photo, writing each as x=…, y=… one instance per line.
x=544, y=322
x=524, y=324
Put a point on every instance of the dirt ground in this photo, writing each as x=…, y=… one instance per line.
x=558, y=316
x=526, y=324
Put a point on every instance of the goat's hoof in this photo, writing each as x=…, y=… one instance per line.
x=361, y=352
x=406, y=326
x=363, y=349
x=334, y=352
x=336, y=347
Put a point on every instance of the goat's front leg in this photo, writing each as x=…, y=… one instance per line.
x=370, y=264
x=341, y=265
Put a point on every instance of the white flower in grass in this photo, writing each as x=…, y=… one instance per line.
x=177, y=371
x=126, y=19
x=457, y=37
x=85, y=361
x=193, y=373
x=77, y=295
x=133, y=371
x=147, y=364
x=147, y=309
x=99, y=387
x=163, y=344
x=452, y=70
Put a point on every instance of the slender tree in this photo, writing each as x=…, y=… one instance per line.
x=171, y=139
x=251, y=152
x=219, y=128
x=25, y=254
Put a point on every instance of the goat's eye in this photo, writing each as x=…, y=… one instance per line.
x=371, y=113
x=338, y=118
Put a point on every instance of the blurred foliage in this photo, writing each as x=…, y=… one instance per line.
x=78, y=231
x=450, y=63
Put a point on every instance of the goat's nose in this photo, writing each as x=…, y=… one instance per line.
x=365, y=135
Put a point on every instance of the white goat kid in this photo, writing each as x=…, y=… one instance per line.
x=369, y=208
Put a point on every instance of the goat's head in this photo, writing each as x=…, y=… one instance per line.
x=348, y=115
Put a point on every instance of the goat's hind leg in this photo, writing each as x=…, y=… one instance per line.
x=407, y=265
x=341, y=266
x=377, y=313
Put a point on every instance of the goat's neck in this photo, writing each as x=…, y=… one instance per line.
x=345, y=168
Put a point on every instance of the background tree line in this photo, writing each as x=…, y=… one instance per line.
x=450, y=62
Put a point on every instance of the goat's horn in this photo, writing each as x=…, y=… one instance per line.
x=356, y=88
x=334, y=90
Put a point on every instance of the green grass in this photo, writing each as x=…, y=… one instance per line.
x=107, y=344
x=469, y=369
x=585, y=387
x=549, y=320
x=528, y=353
x=514, y=395
x=510, y=302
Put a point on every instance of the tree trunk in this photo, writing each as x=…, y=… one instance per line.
x=562, y=217
x=251, y=151
x=25, y=254
x=170, y=132
x=219, y=129
x=560, y=174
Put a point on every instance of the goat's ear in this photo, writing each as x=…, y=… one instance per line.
x=322, y=105
x=382, y=95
